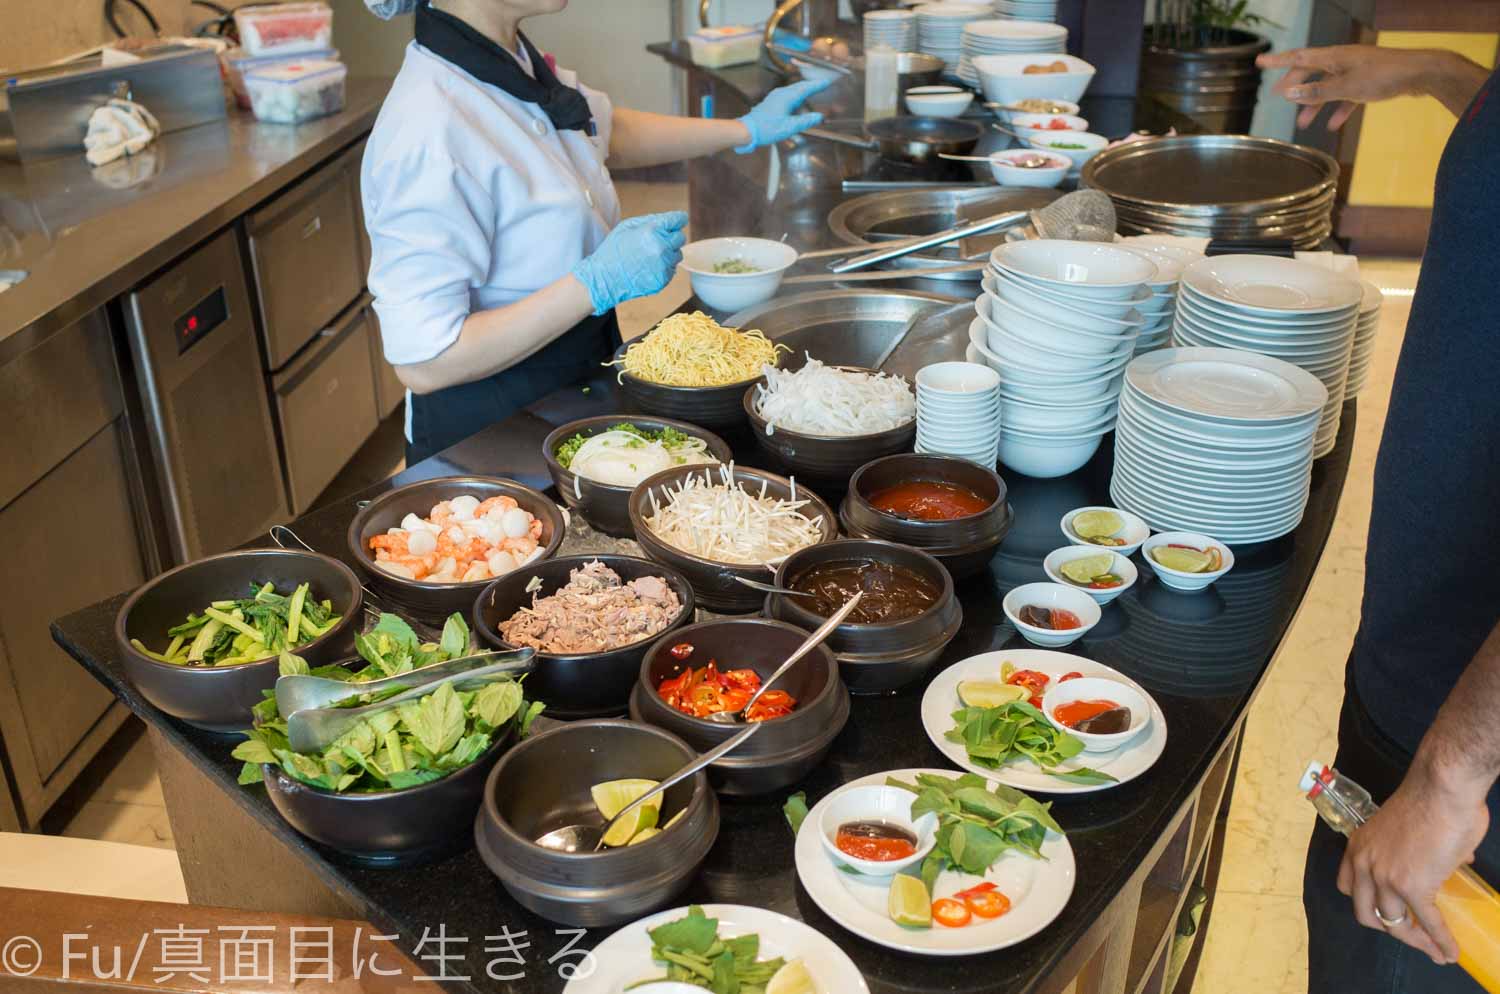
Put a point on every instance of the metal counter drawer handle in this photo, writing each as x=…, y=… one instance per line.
x=312, y=227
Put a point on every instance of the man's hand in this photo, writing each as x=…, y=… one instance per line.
x=1397, y=861
x=1350, y=75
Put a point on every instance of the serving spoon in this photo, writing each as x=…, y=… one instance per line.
x=590, y=838
x=769, y=588
x=808, y=645
x=300, y=692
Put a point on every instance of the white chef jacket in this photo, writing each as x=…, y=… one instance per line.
x=474, y=200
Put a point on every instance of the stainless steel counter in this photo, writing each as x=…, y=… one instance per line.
x=85, y=235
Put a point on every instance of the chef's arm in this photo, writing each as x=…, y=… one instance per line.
x=639, y=138
x=496, y=339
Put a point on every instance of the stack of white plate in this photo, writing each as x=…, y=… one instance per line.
x=1058, y=321
x=1170, y=261
x=1006, y=37
x=1278, y=307
x=958, y=411
x=895, y=29
x=1027, y=10
x=1365, y=327
x=1216, y=441
x=940, y=27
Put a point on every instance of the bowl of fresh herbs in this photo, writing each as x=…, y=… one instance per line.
x=403, y=784
x=201, y=641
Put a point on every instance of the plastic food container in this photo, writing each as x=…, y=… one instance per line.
x=297, y=91
x=724, y=46
x=237, y=62
x=285, y=28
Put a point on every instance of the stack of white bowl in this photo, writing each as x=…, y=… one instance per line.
x=1027, y=10
x=940, y=27
x=896, y=29
x=1365, y=328
x=1007, y=37
x=958, y=411
x=1278, y=307
x=1058, y=321
x=1170, y=261
x=1216, y=441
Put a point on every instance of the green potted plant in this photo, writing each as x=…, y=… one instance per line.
x=1198, y=63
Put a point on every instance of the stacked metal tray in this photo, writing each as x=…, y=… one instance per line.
x=1232, y=187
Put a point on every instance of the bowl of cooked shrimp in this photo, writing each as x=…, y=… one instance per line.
x=427, y=549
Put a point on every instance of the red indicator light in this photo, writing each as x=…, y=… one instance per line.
x=193, y=323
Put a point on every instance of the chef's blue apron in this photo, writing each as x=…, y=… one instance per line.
x=445, y=417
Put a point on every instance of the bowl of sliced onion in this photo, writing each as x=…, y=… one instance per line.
x=824, y=422
x=716, y=523
x=596, y=462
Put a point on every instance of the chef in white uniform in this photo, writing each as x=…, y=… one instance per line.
x=498, y=253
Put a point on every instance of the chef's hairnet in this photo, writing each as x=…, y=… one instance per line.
x=387, y=9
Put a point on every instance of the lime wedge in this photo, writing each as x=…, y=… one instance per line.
x=909, y=905
x=638, y=820
x=643, y=835
x=792, y=978
x=1183, y=560
x=1085, y=568
x=989, y=693
x=611, y=797
x=1096, y=524
x=674, y=819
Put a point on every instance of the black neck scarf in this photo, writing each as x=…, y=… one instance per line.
x=451, y=39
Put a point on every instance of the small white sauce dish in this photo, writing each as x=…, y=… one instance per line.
x=736, y=291
x=1120, y=566
x=1004, y=167
x=1052, y=140
x=938, y=101
x=1094, y=688
x=1044, y=122
x=1176, y=578
x=878, y=803
x=1051, y=595
x=1135, y=531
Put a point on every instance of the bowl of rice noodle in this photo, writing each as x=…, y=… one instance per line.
x=824, y=422
x=691, y=368
x=619, y=451
x=713, y=523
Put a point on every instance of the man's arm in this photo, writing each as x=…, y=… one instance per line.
x=1437, y=817
x=1350, y=75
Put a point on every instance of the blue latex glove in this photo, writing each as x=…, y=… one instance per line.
x=775, y=119
x=636, y=259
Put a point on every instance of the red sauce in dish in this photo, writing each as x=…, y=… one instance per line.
x=1053, y=618
x=874, y=840
x=929, y=500
x=1073, y=712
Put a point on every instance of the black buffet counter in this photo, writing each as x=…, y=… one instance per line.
x=1143, y=849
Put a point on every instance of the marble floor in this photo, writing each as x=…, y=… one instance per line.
x=1257, y=938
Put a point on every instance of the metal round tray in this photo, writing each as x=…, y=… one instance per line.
x=1212, y=175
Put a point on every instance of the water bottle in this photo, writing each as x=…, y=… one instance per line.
x=1469, y=906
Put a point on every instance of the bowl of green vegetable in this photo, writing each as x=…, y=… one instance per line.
x=200, y=642
x=730, y=274
x=402, y=785
x=596, y=462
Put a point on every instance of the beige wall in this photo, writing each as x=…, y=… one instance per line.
x=35, y=32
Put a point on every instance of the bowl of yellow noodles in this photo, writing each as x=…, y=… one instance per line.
x=694, y=369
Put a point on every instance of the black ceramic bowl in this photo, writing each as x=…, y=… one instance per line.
x=543, y=784
x=825, y=457
x=875, y=659
x=580, y=685
x=219, y=698
x=787, y=748
x=434, y=602
x=602, y=505
x=713, y=582
x=715, y=408
x=963, y=545
x=391, y=827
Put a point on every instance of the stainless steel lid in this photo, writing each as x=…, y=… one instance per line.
x=1212, y=175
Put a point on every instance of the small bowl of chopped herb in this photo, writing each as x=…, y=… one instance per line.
x=1078, y=146
x=596, y=462
x=201, y=641
x=730, y=274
